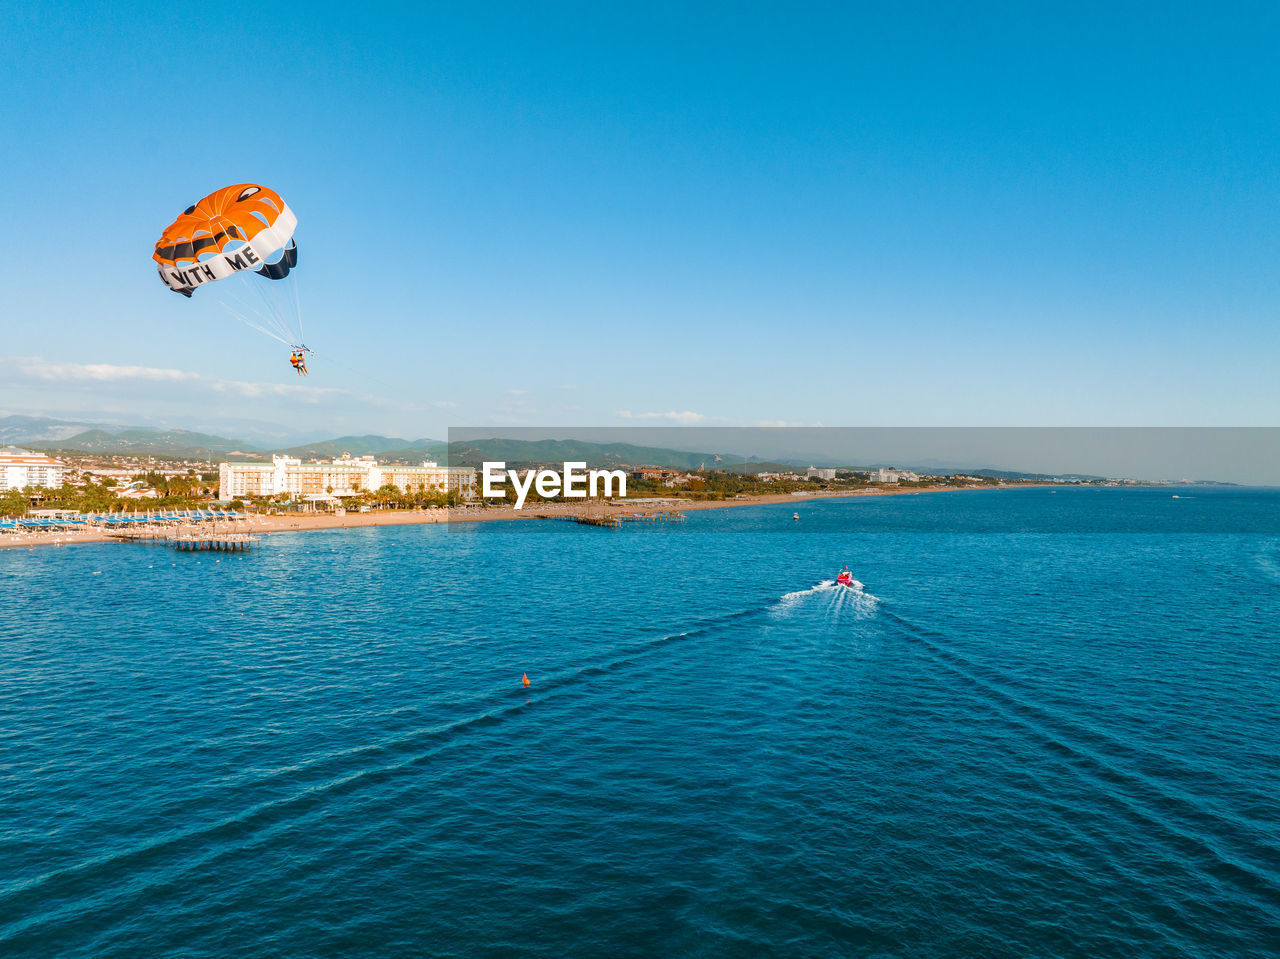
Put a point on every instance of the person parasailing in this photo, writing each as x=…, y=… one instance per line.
x=298, y=360
x=246, y=231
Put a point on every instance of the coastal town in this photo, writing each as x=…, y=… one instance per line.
x=79, y=497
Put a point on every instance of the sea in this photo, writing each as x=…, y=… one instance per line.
x=1047, y=723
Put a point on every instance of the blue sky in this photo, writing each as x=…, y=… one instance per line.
x=888, y=214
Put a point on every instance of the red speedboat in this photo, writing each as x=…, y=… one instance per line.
x=845, y=578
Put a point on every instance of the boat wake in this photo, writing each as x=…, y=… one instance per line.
x=835, y=597
x=826, y=586
x=1268, y=565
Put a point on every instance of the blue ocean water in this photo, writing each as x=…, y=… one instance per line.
x=1048, y=725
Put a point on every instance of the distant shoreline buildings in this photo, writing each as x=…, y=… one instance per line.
x=342, y=477
x=22, y=468
x=893, y=476
x=818, y=472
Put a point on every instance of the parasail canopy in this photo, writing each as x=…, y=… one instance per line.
x=240, y=228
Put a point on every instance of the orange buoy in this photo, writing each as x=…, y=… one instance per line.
x=525, y=679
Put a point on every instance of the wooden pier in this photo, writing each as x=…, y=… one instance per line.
x=608, y=522
x=654, y=516
x=189, y=540
x=615, y=520
x=222, y=542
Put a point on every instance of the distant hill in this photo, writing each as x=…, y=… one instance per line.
x=369, y=444
x=171, y=443
x=187, y=444
x=1034, y=477
x=250, y=436
x=24, y=430
x=474, y=452
x=44, y=433
x=417, y=452
x=1004, y=474
x=766, y=466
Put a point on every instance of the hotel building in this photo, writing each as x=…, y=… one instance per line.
x=20, y=469
x=347, y=476
x=892, y=476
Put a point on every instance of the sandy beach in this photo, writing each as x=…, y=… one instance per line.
x=299, y=522
x=70, y=537
x=476, y=514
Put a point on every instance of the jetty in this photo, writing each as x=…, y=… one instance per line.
x=615, y=520
x=188, y=539
x=654, y=516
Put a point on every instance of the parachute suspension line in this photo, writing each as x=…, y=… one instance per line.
x=261, y=329
x=264, y=308
x=265, y=318
x=297, y=305
x=265, y=304
x=274, y=306
x=270, y=311
x=250, y=323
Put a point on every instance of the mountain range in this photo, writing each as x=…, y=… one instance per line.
x=43, y=433
x=46, y=433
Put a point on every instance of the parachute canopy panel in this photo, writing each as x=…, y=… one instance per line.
x=244, y=227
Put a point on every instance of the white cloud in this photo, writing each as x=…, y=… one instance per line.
x=685, y=418
x=34, y=369
x=129, y=394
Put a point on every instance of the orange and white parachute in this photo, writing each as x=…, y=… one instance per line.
x=240, y=227
x=241, y=230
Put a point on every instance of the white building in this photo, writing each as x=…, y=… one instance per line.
x=815, y=473
x=893, y=476
x=347, y=476
x=21, y=468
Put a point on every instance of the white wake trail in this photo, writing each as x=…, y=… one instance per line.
x=835, y=599
x=823, y=587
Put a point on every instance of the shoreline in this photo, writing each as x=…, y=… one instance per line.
x=301, y=522
x=297, y=523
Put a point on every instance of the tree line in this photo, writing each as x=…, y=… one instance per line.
x=174, y=492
